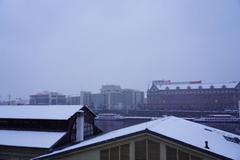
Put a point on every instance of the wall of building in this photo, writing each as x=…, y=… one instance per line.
x=73, y=100
x=89, y=155
x=48, y=98
x=18, y=153
x=98, y=100
x=190, y=99
x=94, y=153
x=85, y=98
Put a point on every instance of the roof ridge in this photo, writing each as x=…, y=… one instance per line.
x=157, y=121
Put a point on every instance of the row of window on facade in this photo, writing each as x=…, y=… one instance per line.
x=196, y=92
x=189, y=101
x=199, y=87
x=146, y=150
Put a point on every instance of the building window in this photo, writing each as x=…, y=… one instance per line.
x=175, y=154
x=140, y=150
x=147, y=150
x=104, y=154
x=195, y=158
x=88, y=129
x=171, y=153
x=153, y=150
x=124, y=152
x=116, y=153
x=183, y=155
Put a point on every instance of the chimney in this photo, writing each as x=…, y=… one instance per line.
x=206, y=145
x=80, y=127
x=238, y=108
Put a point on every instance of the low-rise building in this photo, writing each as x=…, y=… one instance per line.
x=168, y=138
x=27, y=131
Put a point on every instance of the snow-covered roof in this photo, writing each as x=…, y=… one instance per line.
x=32, y=139
x=49, y=112
x=178, y=129
x=173, y=86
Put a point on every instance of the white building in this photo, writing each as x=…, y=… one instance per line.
x=168, y=138
x=85, y=98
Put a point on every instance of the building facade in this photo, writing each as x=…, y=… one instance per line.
x=118, y=98
x=85, y=98
x=98, y=100
x=113, y=97
x=133, y=99
x=155, y=140
x=193, y=95
x=73, y=100
x=28, y=131
x=48, y=98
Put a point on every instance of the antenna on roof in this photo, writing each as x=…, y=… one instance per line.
x=9, y=99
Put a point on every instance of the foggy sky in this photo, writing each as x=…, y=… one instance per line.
x=74, y=45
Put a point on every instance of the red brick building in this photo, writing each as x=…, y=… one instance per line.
x=193, y=95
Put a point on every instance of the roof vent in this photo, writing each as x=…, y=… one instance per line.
x=208, y=129
x=206, y=145
x=232, y=139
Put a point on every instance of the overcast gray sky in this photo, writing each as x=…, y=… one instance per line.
x=73, y=45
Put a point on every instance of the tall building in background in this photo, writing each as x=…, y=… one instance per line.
x=98, y=101
x=132, y=99
x=118, y=98
x=110, y=89
x=47, y=98
x=73, y=100
x=113, y=94
x=193, y=95
x=85, y=98
x=111, y=97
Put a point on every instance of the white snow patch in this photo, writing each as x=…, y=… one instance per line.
x=54, y=112
x=196, y=86
x=29, y=138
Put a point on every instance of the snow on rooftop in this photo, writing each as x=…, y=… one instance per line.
x=29, y=138
x=197, y=85
x=176, y=128
x=56, y=112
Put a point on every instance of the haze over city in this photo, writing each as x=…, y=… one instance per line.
x=80, y=45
